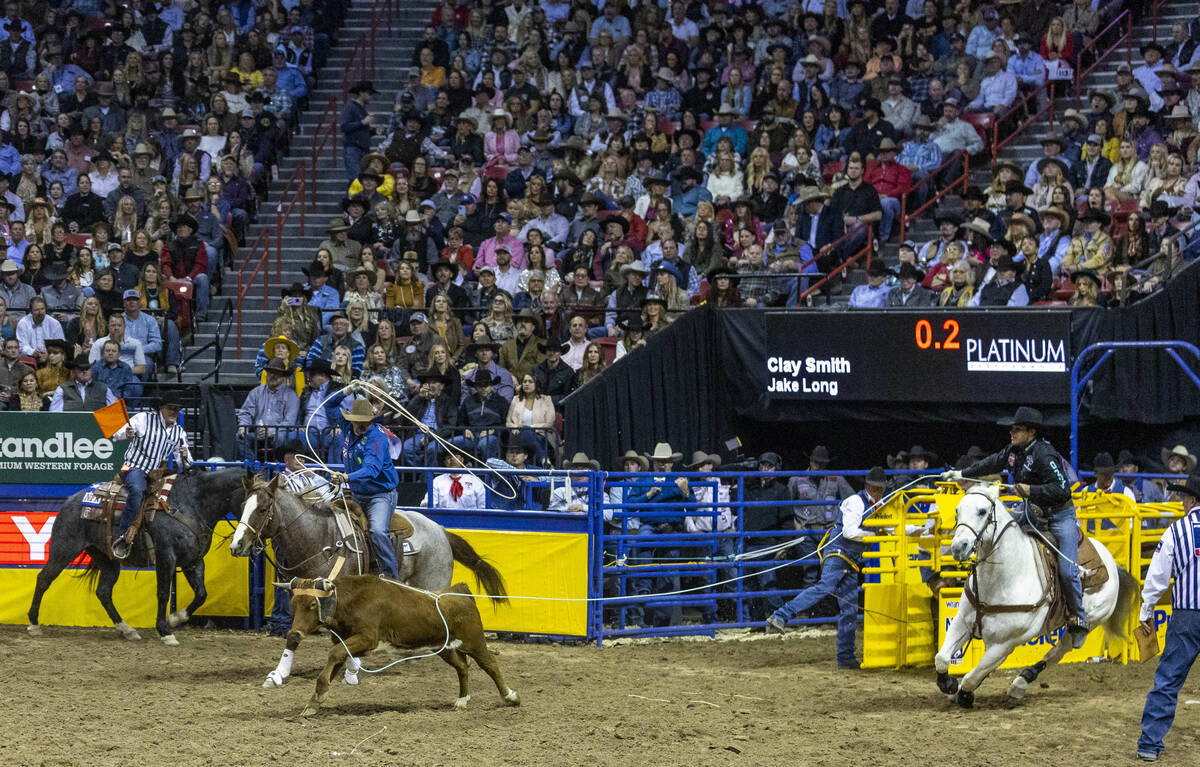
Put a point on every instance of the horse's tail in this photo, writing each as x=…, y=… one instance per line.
x=488, y=576
x=92, y=572
x=1127, y=595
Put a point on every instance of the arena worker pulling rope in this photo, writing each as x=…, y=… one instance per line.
x=1040, y=475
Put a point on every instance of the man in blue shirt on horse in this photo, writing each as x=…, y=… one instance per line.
x=367, y=463
x=1040, y=475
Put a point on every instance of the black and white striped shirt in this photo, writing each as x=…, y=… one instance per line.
x=154, y=441
x=1178, y=557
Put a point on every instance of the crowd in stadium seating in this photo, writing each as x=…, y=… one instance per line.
x=137, y=140
x=559, y=181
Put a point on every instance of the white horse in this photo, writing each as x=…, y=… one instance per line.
x=1008, y=572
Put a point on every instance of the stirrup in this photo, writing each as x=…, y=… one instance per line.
x=121, y=548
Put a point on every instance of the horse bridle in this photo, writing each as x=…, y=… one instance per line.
x=991, y=521
x=259, y=544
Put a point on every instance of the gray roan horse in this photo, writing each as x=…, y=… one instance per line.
x=199, y=497
x=311, y=546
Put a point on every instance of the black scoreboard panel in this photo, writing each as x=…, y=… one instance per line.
x=909, y=356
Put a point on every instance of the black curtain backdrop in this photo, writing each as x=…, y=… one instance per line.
x=703, y=380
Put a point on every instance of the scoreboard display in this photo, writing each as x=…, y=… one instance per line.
x=914, y=356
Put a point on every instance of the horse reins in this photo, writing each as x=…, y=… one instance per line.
x=330, y=552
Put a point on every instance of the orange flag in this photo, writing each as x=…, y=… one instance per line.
x=111, y=418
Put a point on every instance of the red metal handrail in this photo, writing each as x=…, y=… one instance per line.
x=997, y=143
x=283, y=215
x=828, y=248
x=245, y=282
x=1080, y=72
x=841, y=268
x=1157, y=3
x=905, y=216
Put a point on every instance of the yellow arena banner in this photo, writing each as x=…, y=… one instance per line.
x=551, y=566
x=71, y=599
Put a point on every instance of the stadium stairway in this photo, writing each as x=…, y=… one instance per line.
x=392, y=57
x=1027, y=146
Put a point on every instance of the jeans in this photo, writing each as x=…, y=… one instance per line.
x=200, y=284
x=379, y=509
x=484, y=447
x=281, y=611
x=540, y=444
x=1066, y=529
x=352, y=156
x=1179, y=653
x=415, y=453
x=841, y=580
x=891, y=209
x=658, y=615
x=135, y=484
x=806, y=548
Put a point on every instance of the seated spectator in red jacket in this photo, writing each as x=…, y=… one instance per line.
x=186, y=257
x=890, y=179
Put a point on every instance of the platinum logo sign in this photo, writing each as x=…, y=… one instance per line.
x=1016, y=355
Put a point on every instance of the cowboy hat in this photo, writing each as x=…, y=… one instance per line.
x=887, y=145
x=1190, y=487
x=1021, y=218
x=945, y=215
x=876, y=477
x=1125, y=457
x=55, y=272
x=475, y=346
x=1051, y=138
x=700, y=457
x=320, y=366
x=1182, y=452
x=810, y=193
x=663, y=452
x=184, y=220
x=431, y=376
x=1094, y=214
x=720, y=271
x=79, y=362
x=297, y=289
x=1017, y=187
x=1104, y=463
x=270, y=345
x=1025, y=416
x=1042, y=163
x=878, y=269
x=632, y=324
x=362, y=86
x=1076, y=115
x=360, y=412
x=291, y=447
x=820, y=456
x=278, y=367
x=771, y=459
x=500, y=113
x=1063, y=217
x=483, y=378
x=908, y=271
x=1087, y=274
x=371, y=157
x=633, y=455
x=337, y=225
x=979, y=226
x=581, y=461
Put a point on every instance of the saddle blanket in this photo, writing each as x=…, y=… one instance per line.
x=96, y=494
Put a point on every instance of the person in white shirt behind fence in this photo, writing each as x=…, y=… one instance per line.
x=456, y=489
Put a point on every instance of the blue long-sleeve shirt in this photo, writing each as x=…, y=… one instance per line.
x=355, y=132
x=144, y=328
x=366, y=458
x=668, y=491
x=1030, y=70
x=291, y=80
x=924, y=157
x=736, y=134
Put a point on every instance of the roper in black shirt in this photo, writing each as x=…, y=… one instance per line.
x=1038, y=465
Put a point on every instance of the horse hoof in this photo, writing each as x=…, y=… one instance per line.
x=351, y=678
x=33, y=630
x=170, y=641
x=461, y=703
x=1017, y=689
x=310, y=710
x=127, y=632
x=947, y=683
x=177, y=619
x=965, y=699
x=273, y=681
x=511, y=698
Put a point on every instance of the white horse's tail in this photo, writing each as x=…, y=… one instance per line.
x=1127, y=596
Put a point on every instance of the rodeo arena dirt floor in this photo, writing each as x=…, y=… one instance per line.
x=85, y=697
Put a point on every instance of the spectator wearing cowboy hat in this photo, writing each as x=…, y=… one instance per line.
x=815, y=514
x=1093, y=249
x=1052, y=146
x=660, y=519
x=324, y=298
x=840, y=570
x=82, y=393
x=1178, y=460
x=509, y=491
x=318, y=384
x=1004, y=289
x=344, y=251
x=284, y=348
x=891, y=180
x=522, y=353
x=1106, y=480
x=186, y=257
x=1015, y=194
x=909, y=293
x=873, y=295
x=1144, y=490
x=355, y=124
x=775, y=514
x=269, y=413
x=714, y=515
x=432, y=406
x=572, y=495
x=481, y=415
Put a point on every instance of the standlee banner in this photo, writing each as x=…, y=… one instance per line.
x=913, y=356
x=56, y=449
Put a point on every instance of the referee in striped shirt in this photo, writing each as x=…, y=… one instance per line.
x=1178, y=557
x=156, y=437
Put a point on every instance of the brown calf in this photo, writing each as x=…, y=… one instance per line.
x=366, y=611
